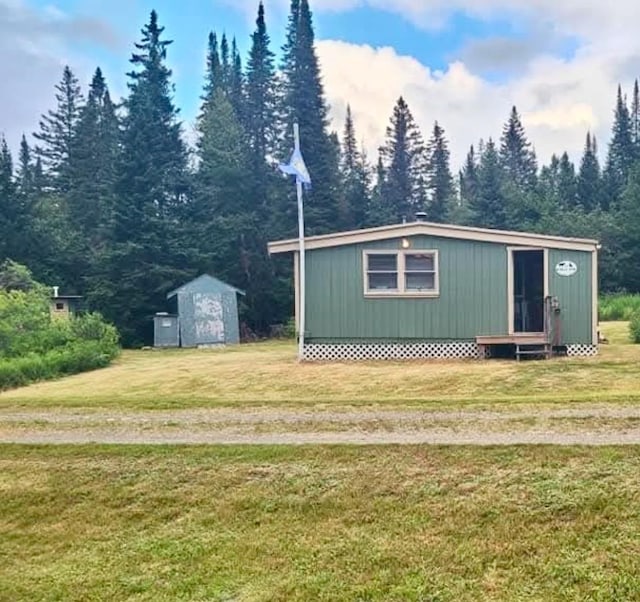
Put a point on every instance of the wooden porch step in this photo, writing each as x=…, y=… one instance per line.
x=514, y=339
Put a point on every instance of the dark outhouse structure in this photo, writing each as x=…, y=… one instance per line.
x=423, y=290
x=206, y=315
x=64, y=306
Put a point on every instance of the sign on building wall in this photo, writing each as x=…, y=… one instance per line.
x=567, y=268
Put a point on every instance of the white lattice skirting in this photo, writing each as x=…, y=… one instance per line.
x=582, y=350
x=390, y=351
x=411, y=351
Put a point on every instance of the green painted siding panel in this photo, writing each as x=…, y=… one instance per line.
x=575, y=296
x=472, y=302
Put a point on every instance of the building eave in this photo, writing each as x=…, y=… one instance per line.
x=440, y=230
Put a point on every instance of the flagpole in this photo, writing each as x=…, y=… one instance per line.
x=302, y=279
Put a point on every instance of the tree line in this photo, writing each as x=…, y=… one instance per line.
x=110, y=202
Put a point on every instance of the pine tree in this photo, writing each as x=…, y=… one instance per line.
x=489, y=207
x=57, y=129
x=303, y=102
x=150, y=195
x=355, y=179
x=621, y=154
x=403, y=154
x=589, y=186
x=439, y=179
x=516, y=155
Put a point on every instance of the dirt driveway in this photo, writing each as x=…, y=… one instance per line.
x=594, y=425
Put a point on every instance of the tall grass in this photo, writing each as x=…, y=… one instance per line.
x=618, y=307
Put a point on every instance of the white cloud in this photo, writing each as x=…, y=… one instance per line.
x=559, y=99
x=34, y=49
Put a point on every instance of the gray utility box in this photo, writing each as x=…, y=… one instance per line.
x=166, y=330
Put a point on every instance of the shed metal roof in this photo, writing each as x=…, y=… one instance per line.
x=205, y=278
x=430, y=229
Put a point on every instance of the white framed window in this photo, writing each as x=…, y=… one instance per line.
x=412, y=273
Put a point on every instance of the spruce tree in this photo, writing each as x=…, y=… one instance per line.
x=93, y=165
x=469, y=181
x=57, y=129
x=439, y=179
x=489, y=207
x=621, y=154
x=236, y=82
x=589, y=186
x=567, y=183
x=355, y=179
x=16, y=221
x=405, y=164
x=303, y=102
x=517, y=158
x=147, y=260
x=259, y=118
x=213, y=81
x=629, y=229
x=635, y=120
x=25, y=173
x=7, y=202
x=379, y=212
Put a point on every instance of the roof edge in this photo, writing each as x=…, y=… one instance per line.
x=173, y=293
x=427, y=228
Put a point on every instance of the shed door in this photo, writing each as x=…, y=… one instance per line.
x=208, y=313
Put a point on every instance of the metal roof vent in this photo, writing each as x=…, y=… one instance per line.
x=421, y=216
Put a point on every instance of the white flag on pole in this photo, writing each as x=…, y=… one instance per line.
x=296, y=167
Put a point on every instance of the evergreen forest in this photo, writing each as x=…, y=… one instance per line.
x=107, y=200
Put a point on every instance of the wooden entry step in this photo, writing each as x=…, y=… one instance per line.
x=526, y=345
x=514, y=339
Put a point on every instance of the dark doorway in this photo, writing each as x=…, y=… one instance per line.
x=528, y=291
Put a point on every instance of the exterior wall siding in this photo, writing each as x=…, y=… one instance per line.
x=472, y=301
x=473, y=298
x=208, y=311
x=575, y=295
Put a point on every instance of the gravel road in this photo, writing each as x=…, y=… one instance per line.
x=594, y=425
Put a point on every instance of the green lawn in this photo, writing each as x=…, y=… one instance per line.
x=269, y=375
x=332, y=523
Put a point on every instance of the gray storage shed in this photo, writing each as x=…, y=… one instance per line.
x=207, y=313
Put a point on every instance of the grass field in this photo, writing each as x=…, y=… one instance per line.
x=268, y=375
x=378, y=523
x=267, y=524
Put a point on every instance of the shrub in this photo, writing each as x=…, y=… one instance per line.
x=34, y=347
x=618, y=307
x=634, y=327
x=72, y=359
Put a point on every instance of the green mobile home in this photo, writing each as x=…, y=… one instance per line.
x=423, y=290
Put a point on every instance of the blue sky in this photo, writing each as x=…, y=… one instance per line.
x=189, y=22
x=463, y=63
